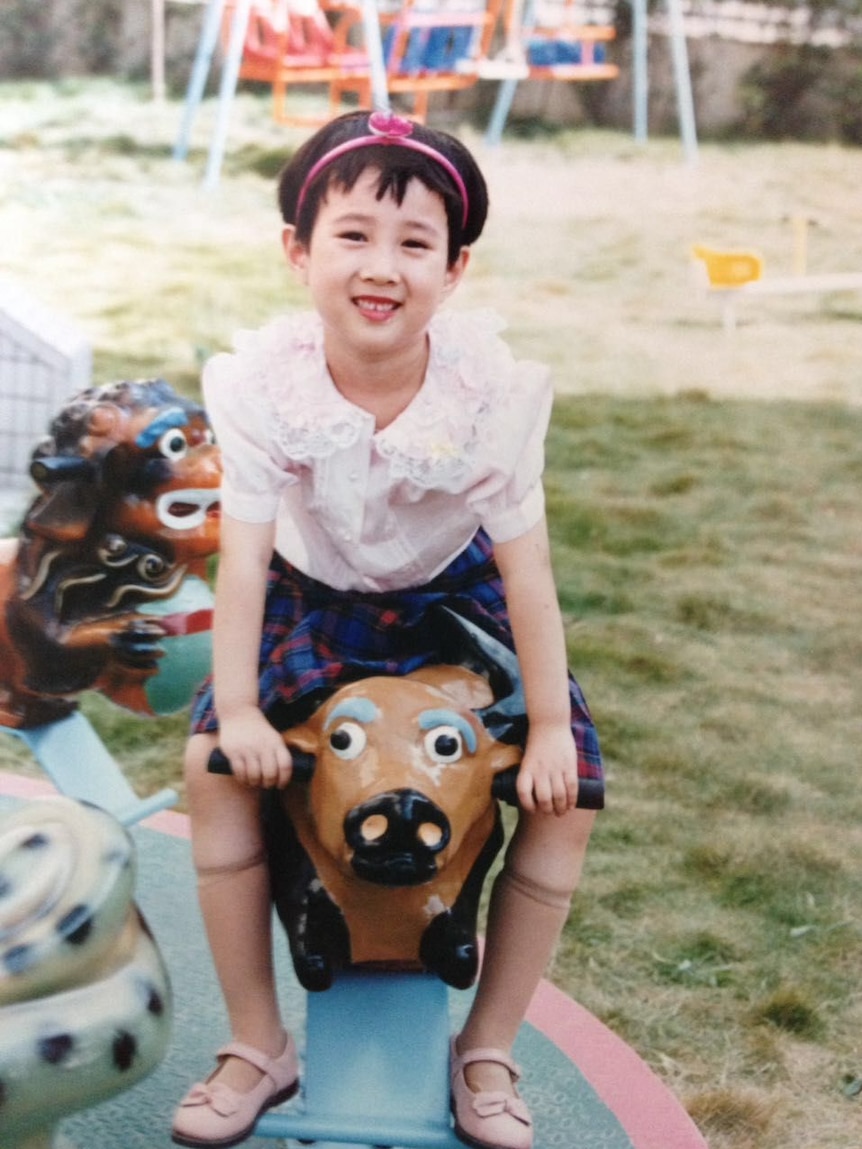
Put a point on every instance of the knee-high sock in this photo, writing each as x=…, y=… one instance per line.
x=525, y=919
x=237, y=913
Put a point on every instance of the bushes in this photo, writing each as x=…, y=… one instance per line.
x=803, y=92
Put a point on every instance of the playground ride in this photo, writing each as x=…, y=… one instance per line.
x=415, y=49
x=732, y=276
x=105, y=587
x=425, y=48
x=377, y=868
x=85, y=1000
x=378, y=850
x=287, y=45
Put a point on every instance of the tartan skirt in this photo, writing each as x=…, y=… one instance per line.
x=316, y=639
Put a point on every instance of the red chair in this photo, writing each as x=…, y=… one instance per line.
x=284, y=49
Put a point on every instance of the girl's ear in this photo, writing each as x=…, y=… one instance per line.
x=295, y=252
x=455, y=272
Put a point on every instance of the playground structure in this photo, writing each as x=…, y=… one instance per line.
x=139, y=439
x=85, y=997
x=417, y=50
x=104, y=588
x=737, y=276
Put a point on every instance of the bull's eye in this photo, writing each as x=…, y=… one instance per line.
x=348, y=740
x=173, y=444
x=444, y=744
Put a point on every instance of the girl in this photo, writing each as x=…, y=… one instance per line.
x=379, y=456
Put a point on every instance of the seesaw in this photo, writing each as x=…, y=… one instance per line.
x=735, y=275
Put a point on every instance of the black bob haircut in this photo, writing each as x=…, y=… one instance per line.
x=397, y=167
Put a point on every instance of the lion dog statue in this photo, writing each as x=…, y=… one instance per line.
x=105, y=586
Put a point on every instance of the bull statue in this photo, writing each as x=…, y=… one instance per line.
x=379, y=860
x=105, y=587
x=85, y=1000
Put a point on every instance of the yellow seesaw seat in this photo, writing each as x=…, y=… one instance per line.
x=728, y=269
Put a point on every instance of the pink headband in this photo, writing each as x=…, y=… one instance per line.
x=386, y=128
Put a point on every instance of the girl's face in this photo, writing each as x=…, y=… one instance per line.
x=376, y=270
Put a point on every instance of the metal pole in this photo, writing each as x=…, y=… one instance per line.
x=157, y=51
x=227, y=91
x=640, y=71
x=374, y=48
x=682, y=79
x=200, y=70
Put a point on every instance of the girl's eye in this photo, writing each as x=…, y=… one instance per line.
x=348, y=740
x=444, y=744
x=173, y=444
x=419, y=244
x=352, y=236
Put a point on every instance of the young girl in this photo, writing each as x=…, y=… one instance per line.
x=379, y=456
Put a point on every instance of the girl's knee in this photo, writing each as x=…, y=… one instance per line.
x=571, y=830
x=551, y=849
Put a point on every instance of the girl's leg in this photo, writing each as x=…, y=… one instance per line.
x=234, y=895
x=528, y=909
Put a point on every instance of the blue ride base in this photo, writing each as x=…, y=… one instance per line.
x=376, y=1065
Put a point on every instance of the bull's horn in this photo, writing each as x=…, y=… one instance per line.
x=505, y=718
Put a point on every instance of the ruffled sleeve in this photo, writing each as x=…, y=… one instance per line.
x=510, y=498
x=236, y=389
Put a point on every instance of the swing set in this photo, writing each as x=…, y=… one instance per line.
x=414, y=49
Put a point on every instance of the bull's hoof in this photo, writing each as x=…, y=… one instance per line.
x=450, y=950
x=313, y=972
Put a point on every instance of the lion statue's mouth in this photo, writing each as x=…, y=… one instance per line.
x=186, y=509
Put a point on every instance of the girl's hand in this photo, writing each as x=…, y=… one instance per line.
x=257, y=753
x=548, y=777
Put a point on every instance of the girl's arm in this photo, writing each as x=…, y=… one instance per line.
x=256, y=751
x=548, y=777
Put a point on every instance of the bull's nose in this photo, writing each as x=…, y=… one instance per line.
x=376, y=827
x=395, y=837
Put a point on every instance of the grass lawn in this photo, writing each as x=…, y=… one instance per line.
x=703, y=492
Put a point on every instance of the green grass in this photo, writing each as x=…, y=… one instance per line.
x=709, y=564
x=703, y=494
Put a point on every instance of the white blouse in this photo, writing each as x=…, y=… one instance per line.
x=361, y=509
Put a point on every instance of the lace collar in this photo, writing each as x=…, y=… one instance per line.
x=434, y=442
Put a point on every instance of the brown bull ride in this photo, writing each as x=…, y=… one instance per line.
x=382, y=857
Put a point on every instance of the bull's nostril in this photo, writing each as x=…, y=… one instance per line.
x=430, y=835
x=374, y=828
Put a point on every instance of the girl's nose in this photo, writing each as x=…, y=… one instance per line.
x=379, y=266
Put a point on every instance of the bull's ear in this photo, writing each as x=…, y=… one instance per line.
x=468, y=690
x=502, y=756
x=301, y=738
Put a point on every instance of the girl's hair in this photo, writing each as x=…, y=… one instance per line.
x=299, y=199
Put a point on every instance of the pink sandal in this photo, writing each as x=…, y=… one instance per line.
x=488, y=1120
x=216, y=1115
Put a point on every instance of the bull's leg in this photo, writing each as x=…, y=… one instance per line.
x=234, y=896
x=449, y=946
x=315, y=927
x=528, y=909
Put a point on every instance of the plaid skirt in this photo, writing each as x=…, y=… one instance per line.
x=316, y=639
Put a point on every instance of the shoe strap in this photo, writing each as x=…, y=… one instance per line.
x=268, y=1065
x=495, y=1055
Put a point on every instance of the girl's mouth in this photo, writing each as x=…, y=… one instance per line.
x=374, y=308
